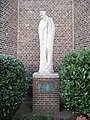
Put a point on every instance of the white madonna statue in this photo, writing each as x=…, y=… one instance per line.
x=46, y=36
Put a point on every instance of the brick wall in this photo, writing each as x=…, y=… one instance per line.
x=28, y=40
x=9, y=17
x=69, y=34
x=82, y=23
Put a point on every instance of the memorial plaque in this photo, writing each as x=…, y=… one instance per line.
x=46, y=87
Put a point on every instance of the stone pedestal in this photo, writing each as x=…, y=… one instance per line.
x=46, y=93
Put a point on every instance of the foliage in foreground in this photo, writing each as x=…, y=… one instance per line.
x=42, y=117
x=13, y=84
x=75, y=81
x=37, y=117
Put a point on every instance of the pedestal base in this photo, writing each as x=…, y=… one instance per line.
x=46, y=93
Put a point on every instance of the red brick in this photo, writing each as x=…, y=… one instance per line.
x=46, y=101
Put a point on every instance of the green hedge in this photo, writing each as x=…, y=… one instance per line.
x=13, y=84
x=75, y=81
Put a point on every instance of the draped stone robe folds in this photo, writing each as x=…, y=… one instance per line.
x=46, y=36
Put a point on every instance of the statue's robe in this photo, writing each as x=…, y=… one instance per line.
x=46, y=36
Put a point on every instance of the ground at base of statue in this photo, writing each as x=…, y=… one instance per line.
x=25, y=111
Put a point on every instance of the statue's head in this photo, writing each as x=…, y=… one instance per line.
x=43, y=14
